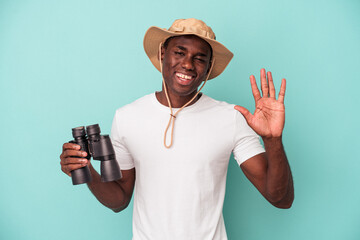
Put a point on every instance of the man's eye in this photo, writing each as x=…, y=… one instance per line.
x=200, y=59
x=179, y=53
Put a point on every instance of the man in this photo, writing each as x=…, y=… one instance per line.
x=177, y=142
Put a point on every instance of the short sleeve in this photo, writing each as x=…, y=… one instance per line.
x=246, y=141
x=123, y=156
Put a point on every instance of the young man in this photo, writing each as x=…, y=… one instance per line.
x=177, y=142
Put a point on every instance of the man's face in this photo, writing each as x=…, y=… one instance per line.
x=186, y=61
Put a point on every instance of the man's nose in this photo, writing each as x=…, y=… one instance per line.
x=188, y=64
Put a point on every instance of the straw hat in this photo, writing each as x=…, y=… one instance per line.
x=155, y=35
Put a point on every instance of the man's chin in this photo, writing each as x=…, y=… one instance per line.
x=185, y=92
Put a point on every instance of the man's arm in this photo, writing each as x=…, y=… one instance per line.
x=269, y=172
x=115, y=195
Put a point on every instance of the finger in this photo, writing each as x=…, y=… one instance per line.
x=64, y=169
x=70, y=160
x=264, y=84
x=282, y=90
x=254, y=88
x=71, y=146
x=271, y=85
x=73, y=153
x=247, y=115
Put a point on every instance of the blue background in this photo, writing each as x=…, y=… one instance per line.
x=70, y=63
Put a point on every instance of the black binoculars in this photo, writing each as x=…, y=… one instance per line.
x=100, y=148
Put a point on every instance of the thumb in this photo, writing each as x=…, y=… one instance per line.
x=247, y=115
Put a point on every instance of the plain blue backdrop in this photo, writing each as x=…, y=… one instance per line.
x=70, y=63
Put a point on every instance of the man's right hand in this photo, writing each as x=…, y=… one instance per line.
x=72, y=158
x=115, y=195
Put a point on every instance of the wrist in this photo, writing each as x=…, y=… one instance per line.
x=272, y=140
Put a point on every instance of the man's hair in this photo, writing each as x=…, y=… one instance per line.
x=166, y=43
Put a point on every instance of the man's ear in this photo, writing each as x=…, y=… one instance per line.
x=162, y=52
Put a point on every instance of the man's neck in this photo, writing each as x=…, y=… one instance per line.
x=176, y=101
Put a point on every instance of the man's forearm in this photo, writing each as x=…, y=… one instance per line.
x=110, y=194
x=279, y=184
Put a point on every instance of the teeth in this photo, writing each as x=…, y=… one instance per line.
x=183, y=76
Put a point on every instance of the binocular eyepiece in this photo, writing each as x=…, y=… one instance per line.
x=100, y=148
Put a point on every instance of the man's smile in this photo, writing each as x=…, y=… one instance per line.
x=184, y=79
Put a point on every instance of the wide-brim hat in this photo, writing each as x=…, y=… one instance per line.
x=154, y=36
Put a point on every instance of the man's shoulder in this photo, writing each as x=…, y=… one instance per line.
x=215, y=104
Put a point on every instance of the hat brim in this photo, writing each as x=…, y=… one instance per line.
x=155, y=35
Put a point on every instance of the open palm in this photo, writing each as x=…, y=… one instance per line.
x=269, y=116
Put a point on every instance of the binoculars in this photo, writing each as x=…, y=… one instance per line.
x=100, y=148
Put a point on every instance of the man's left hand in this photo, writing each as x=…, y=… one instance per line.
x=269, y=117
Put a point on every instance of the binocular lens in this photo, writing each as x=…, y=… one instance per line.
x=93, y=129
x=81, y=175
x=110, y=171
x=78, y=132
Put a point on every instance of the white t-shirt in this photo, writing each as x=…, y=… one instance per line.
x=179, y=192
